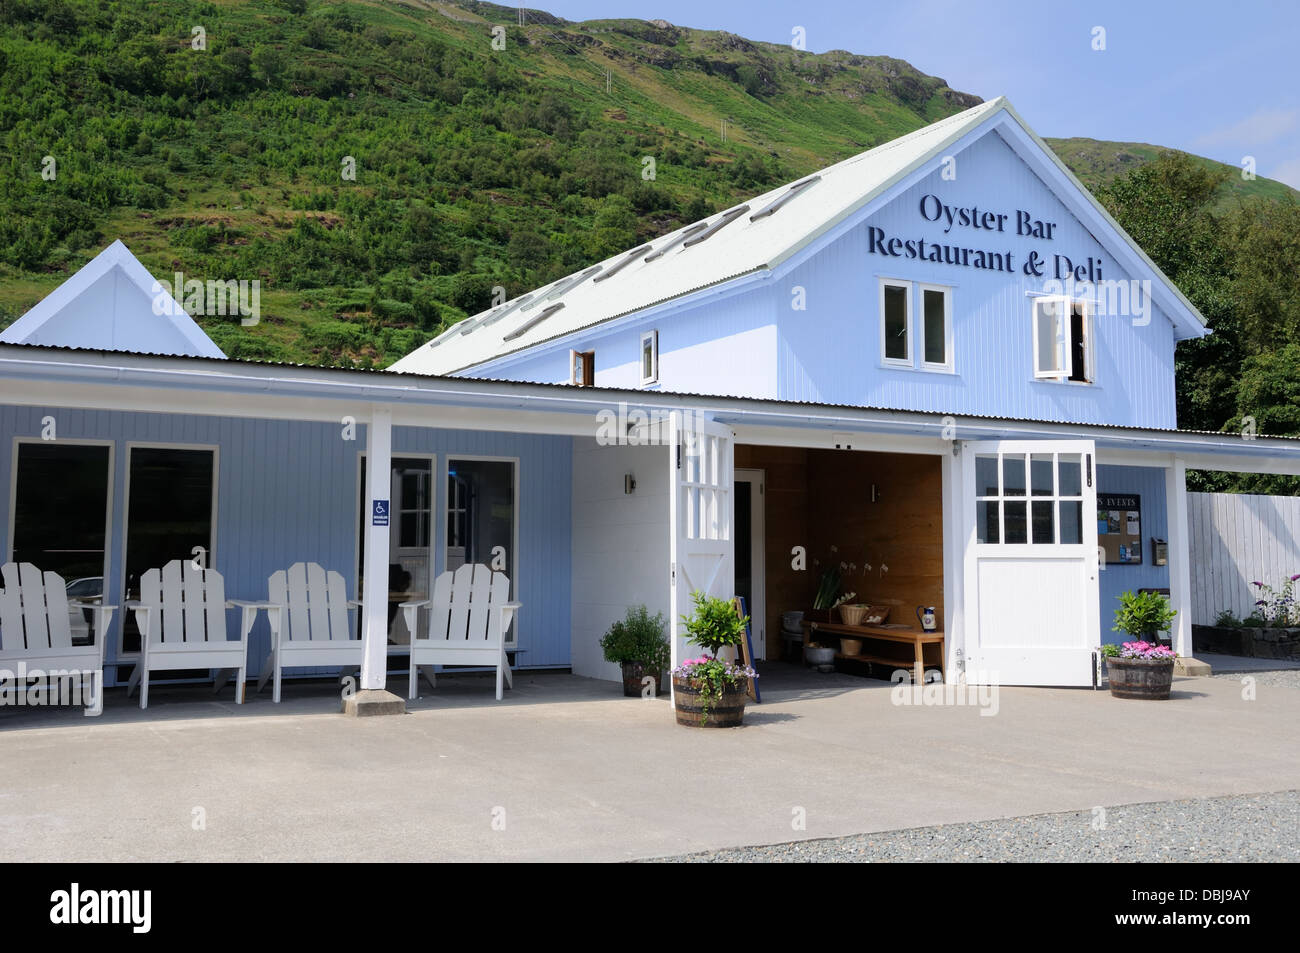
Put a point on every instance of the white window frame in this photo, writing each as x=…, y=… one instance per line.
x=575, y=362
x=652, y=338
x=909, y=331
x=107, y=569
x=946, y=291
x=1064, y=352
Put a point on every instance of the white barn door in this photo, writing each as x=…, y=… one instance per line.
x=699, y=501
x=1032, y=604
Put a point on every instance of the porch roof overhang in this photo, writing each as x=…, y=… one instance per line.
x=68, y=377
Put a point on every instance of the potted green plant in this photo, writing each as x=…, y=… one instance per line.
x=1141, y=668
x=637, y=643
x=709, y=692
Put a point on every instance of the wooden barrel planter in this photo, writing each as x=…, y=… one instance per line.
x=1139, y=677
x=634, y=674
x=725, y=711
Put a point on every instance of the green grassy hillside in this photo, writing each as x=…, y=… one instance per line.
x=477, y=163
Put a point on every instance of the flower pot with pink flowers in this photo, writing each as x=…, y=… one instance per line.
x=709, y=692
x=1141, y=668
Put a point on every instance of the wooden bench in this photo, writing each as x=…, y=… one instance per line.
x=918, y=639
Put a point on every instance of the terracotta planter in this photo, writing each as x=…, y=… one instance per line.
x=634, y=674
x=725, y=711
x=850, y=646
x=1140, y=678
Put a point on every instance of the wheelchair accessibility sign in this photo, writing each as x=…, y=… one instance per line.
x=379, y=514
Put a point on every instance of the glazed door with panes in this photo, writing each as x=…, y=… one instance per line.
x=1032, y=604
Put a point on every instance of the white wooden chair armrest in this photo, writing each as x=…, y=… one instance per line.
x=248, y=615
x=411, y=615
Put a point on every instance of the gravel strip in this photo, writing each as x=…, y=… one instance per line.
x=1289, y=678
x=1244, y=828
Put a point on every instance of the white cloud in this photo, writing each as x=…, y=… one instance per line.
x=1264, y=127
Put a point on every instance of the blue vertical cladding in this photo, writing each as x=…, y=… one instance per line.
x=1149, y=484
x=831, y=352
x=287, y=491
x=725, y=347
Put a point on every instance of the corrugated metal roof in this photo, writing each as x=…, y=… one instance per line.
x=630, y=395
x=742, y=245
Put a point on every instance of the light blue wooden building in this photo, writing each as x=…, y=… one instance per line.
x=941, y=356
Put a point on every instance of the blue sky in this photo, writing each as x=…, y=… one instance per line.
x=1219, y=80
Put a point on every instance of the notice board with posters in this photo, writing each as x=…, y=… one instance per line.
x=1119, y=528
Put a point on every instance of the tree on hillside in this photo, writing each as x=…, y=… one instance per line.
x=1242, y=270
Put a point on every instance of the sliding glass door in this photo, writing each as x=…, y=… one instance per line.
x=61, y=513
x=481, y=514
x=171, y=503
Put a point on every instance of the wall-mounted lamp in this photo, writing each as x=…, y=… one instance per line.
x=629, y=483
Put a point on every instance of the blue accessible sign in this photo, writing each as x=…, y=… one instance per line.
x=379, y=513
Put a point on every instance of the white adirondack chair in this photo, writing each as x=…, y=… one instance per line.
x=182, y=621
x=469, y=616
x=34, y=626
x=308, y=611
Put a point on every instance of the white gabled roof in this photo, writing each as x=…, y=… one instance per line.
x=112, y=304
x=736, y=242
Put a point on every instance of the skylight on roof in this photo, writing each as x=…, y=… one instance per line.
x=784, y=197
x=681, y=237
x=726, y=219
x=563, y=285
x=622, y=263
x=500, y=313
x=534, y=321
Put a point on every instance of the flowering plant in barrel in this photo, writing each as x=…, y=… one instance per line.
x=709, y=691
x=1141, y=668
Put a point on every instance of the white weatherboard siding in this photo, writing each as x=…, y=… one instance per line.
x=1237, y=539
x=620, y=544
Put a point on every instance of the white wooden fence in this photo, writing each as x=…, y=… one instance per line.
x=1237, y=538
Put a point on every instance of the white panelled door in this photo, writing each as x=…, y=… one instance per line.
x=699, y=500
x=1032, y=603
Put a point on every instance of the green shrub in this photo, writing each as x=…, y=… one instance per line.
x=638, y=639
x=1143, y=614
x=714, y=624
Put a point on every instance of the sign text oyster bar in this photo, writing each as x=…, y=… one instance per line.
x=933, y=209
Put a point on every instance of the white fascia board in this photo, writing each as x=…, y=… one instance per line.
x=75, y=379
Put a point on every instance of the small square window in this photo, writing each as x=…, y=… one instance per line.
x=936, y=327
x=582, y=368
x=896, y=322
x=650, y=357
x=1063, y=340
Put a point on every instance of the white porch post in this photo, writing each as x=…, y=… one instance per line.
x=674, y=499
x=1180, y=570
x=954, y=564
x=374, y=628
